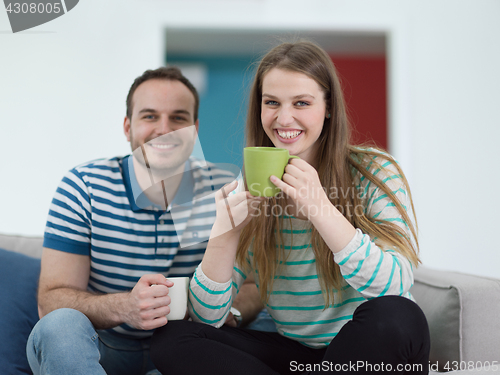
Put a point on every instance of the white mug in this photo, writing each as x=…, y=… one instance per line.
x=178, y=295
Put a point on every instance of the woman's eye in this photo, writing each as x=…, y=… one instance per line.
x=270, y=102
x=301, y=104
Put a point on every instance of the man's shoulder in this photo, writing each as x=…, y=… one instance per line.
x=210, y=170
x=103, y=166
x=210, y=177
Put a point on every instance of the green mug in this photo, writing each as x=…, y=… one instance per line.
x=262, y=162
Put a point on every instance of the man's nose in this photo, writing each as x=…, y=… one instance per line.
x=165, y=126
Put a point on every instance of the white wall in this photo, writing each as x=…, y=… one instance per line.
x=455, y=128
x=63, y=87
x=62, y=92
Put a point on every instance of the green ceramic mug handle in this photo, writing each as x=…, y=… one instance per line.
x=293, y=157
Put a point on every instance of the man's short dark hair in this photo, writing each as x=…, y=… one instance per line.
x=170, y=73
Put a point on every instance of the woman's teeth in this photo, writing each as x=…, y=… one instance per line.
x=289, y=134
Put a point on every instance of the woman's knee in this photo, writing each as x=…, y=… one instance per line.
x=172, y=332
x=170, y=339
x=393, y=315
x=392, y=307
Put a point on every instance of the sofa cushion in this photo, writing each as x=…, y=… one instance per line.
x=29, y=245
x=462, y=311
x=18, y=309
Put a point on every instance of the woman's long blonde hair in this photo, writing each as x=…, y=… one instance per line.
x=336, y=158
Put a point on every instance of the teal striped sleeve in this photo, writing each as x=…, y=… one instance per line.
x=210, y=301
x=373, y=270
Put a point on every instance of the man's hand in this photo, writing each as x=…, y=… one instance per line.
x=63, y=282
x=231, y=321
x=247, y=302
x=148, y=302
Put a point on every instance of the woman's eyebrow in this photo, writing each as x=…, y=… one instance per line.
x=300, y=96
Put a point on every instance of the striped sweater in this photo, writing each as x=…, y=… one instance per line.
x=296, y=303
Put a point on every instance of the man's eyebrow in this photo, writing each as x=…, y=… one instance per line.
x=182, y=111
x=147, y=110
x=177, y=111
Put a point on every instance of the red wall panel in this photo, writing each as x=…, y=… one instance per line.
x=365, y=89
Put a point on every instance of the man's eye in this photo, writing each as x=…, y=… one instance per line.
x=149, y=117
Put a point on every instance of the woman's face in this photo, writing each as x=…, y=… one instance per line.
x=293, y=112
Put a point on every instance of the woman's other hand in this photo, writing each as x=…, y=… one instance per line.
x=234, y=211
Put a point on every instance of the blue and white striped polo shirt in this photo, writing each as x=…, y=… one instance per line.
x=95, y=212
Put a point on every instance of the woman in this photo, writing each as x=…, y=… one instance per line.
x=334, y=270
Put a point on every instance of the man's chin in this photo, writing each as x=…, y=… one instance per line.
x=162, y=170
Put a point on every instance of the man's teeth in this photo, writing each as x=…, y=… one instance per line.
x=289, y=134
x=162, y=146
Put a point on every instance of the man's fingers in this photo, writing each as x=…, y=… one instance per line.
x=159, y=290
x=155, y=279
x=161, y=302
x=155, y=323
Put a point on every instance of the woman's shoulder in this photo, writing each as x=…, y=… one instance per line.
x=373, y=160
x=363, y=154
x=372, y=167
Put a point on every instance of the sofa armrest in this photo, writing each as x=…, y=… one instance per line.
x=463, y=315
x=28, y=245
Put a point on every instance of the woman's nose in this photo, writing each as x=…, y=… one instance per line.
x=285, y=116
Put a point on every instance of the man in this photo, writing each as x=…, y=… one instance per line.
x=118, y=226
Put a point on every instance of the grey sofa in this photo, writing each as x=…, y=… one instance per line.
x=463, y=312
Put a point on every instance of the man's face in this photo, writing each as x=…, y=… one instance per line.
x=162, y=116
